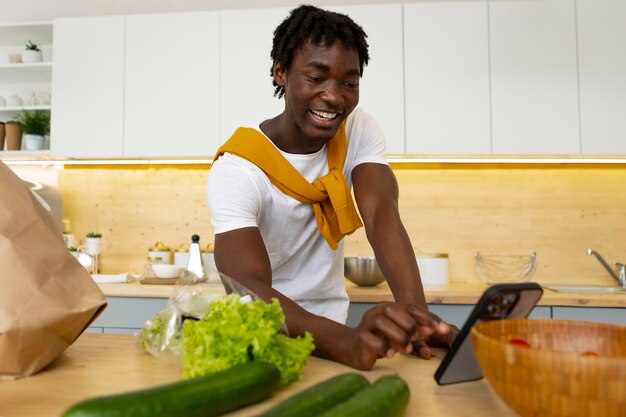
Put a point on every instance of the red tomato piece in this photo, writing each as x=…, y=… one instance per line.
x=519, y=342
x=589, y=353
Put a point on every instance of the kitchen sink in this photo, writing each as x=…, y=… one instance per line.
x=586, y=288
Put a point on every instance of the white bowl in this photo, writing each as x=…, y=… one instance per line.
x=166, y=271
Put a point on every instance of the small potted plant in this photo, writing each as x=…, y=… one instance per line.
x=35, y=126
x=92, y=243
x=73, y=250
x=32, y=53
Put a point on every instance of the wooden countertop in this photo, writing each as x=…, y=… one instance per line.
x=102, y=364
x=453, y=293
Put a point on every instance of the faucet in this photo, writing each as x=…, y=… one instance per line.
x=619, y=276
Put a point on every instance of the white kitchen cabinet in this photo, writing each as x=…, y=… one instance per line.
x=446, y=53
x=382, y=88
x=247, y=95
x=22, y=81
x=171, y=96
x=87, y=87
x=136, y=86
x=602, y=62
x=534, y=85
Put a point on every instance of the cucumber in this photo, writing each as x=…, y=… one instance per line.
x=318, y=398
x=388, y=396
x=206, y=396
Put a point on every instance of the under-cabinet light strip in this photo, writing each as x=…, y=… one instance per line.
x=400, y=160
x=114, y=162
x=394, y=160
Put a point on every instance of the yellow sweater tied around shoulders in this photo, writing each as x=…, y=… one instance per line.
x=329, y=195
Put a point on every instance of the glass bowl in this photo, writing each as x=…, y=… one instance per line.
x=499, y=268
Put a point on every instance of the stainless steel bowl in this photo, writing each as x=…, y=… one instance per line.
x=363, y=270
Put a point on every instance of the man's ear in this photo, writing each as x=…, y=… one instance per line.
x=279, y=75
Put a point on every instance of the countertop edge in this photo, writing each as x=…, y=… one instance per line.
x=453, y=293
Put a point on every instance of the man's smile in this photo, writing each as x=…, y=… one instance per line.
x=324, y=115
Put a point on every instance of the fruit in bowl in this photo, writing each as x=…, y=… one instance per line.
x=550, y=367
x=167, y=271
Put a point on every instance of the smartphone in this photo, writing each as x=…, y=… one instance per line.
x=498, y=302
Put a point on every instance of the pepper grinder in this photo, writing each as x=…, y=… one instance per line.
x=195, y=265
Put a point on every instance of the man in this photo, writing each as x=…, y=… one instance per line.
x=280, y=200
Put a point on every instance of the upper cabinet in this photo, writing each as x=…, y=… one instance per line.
x=24, y=83
x=534, y=84
x=446, y=53
x=602, y=60
x=517, y=77
x=491, y=77
x=136, y=86
x=382, y=88
x=88, y=87
x=172, y=84
x=247, y=93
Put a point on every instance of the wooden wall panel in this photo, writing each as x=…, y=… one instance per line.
x=135, y=208
x=557, y=211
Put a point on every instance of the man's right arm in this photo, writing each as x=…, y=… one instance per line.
x=389, y=327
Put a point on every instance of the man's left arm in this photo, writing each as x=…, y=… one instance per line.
x=376, y=193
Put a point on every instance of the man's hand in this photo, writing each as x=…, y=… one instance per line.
x=422, y=348
x=389, y=328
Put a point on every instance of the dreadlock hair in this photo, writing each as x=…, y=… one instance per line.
x=321, y=27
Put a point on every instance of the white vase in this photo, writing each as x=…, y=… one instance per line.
x=92, y=245
x=29, y=56
x=33, y=142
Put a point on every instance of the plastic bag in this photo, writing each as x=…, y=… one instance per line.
x=190, y=300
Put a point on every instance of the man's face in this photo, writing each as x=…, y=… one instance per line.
x=321, y=90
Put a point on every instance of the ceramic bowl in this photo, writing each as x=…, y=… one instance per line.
x=166, y=271
x=570, y=368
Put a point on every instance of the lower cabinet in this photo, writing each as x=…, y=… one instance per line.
x=457, y=313
x=127, y=315
x=606, y=315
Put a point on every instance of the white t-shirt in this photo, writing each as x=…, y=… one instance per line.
x=304, y=267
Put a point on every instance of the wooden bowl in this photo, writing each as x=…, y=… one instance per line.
x=556, y=376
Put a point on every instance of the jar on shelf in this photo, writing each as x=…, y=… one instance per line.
x=181, y=254
x=13, y=136
x=160, y=253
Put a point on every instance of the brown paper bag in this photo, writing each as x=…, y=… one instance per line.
x=47, y=298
